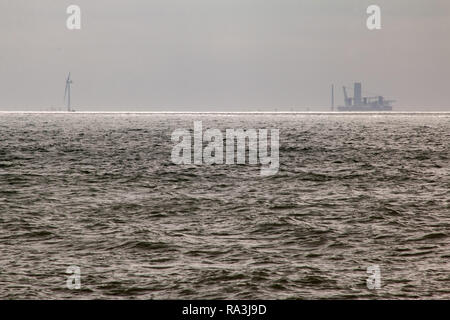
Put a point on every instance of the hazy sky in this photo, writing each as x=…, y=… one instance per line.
x=222, y=54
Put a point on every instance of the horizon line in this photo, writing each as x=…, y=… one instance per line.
x=225, y=112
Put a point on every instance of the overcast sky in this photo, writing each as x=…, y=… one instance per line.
x=222, y=54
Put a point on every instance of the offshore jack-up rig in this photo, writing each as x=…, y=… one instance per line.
x=360, y=103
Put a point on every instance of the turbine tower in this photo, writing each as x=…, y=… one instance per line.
x=67, y=93
x=332, y=97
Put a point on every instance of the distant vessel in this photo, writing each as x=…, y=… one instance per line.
x=360, y=103
x=67, y=94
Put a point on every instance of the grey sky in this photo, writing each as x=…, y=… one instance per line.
x=221, y=54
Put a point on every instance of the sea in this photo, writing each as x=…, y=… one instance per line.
x=98, y=193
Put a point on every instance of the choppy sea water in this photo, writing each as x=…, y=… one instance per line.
x=99, y=191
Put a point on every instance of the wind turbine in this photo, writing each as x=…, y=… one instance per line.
x=67, y=93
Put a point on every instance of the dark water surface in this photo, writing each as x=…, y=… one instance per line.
x=99, y=191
